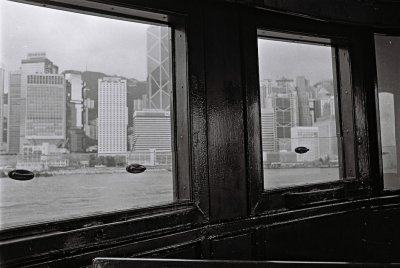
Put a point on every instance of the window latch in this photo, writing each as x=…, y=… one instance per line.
x=21, y=175
x=301, y=150
x=135, y=168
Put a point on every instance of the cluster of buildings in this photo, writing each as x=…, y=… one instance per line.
x=54, y=117
x=293, y=114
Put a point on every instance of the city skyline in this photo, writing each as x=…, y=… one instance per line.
x=284, y=54
x=55, y=31
x=103, y=115
x=64, y=35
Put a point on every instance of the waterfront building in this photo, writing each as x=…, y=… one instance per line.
x=112, y=116
x=13, y=121
x=151, y=138
x=75, y=132
x=159, y=67
x=286, y=117
x=45, y=109
x=152, y=130
x=268, y=130
x=306, y=137
x=37, y=63
x=42, y=157
x=328, y=143
x=75, y=87
x=88, y=125
x=302, y=85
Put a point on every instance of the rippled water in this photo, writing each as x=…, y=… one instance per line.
x=64, y=196
x=57, y=197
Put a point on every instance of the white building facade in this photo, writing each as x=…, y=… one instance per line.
x=306, y=137
x=112, y=116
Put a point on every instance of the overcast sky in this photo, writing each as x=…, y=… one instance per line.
x=277, y=59
x=72, y=41
x=75, y=41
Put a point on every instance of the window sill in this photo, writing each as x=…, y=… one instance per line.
x=46, y=241
x=294, y=197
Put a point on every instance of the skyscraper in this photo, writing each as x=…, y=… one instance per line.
x=268, y=130
x=75, y=132
x=45, y=109
x=159, y=67
x=286, y=117
x=152, y=130
x=75, y=89
x=328, y=141
x=302, y=86
x=36, y=63
x=14, y=104
x=1, y=105
x=112, y=116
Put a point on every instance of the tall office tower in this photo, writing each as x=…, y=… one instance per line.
x=5, y=120
x=302, y=86
x=268, y=130
x=14, y=104
x=265, y=92
x=45, y=109
x=159, y=67
x=152, y=130
x=112, y=116
x=75, y=132
x=307, y=137
x=285, y=85
x=75, y=87
x=88, y=104
x=35, y=63
x=2, y=78
x=286, y=117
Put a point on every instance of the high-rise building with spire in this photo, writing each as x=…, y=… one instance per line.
x=159, y=67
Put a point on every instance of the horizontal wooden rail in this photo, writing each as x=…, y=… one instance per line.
x=178, y=263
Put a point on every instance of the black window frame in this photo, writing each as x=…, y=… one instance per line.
x=357, y=151
x=46, y=240
x=141, y=232
x=374, y=33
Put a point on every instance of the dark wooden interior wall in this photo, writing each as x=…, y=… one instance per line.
x=223, y=119
x=347, y=233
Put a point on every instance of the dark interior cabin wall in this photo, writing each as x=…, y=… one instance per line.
x=224, y=118
x=348, y=235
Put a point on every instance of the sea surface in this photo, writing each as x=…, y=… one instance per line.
x=66, y=196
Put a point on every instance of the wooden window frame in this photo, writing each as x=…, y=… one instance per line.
x=45, y=241
x=358, y=149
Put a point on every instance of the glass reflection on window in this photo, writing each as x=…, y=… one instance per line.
x=388, y=71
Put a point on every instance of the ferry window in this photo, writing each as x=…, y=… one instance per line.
x=298, y=112
x=388, y=70
x=86, y=95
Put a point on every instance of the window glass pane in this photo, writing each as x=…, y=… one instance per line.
x=297, y=110
x=388, y=70
x=82, y=97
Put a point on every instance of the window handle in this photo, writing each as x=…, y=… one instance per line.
x=301, y=150
x=21, y=175
x=135, y=168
